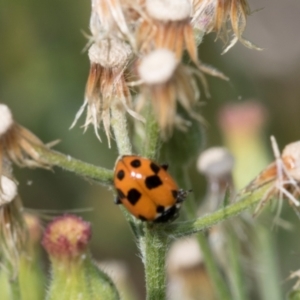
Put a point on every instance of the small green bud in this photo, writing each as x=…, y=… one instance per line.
x=74, y=275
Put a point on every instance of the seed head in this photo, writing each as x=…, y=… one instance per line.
x=106, y=85
x=17, y=144
x=158, y=67
x=108, y=20
x=169, y=10
x=214, y=15
x=165, y=81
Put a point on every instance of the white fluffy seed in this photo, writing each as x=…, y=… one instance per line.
x=9, y=190
x=158, y=66
x=6, y=119
x=216, y=162
x=169, y=10
x=110, y=53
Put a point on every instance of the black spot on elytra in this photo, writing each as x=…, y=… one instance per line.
x=120, y=194
x=168, y=215
x=120, y=174
x=133, y=196
x=153, y=182
x=154, y=167
x=136, y=163
x=160, y=209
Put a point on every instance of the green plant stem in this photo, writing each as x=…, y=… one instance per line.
x=119, y=125
x=152, y=134
x=235, y=271
x=153, y=245
x=15, y=289
x=71, y=164
x=268, y=274
x=156, y=246
x=181, y=229
x=219, y=285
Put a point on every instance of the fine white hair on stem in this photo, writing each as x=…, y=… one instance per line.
x=169, y=10
x=6, y=119
x=8, y=190
x=158, y=67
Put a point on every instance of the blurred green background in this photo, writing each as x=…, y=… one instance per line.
x=43, y=71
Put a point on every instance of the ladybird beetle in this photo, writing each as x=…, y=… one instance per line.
x=146, y=189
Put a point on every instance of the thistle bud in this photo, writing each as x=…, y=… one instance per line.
x=74, y=275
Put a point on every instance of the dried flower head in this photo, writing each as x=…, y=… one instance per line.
x=214, y=15
x=106, y=86
x=13, y=231
x=167, y=25
x=283, y=175
x=165, y=81
x=17, y=143
x=108, y=20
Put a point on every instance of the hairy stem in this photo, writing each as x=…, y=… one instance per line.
x=81, y=168
x=268, y=275
x=152, y=140
x=236, y=275
x=219, y=285
x=156, y=246
x=119, y=125
x=186, y=228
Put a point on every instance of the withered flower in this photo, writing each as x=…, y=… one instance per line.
x=108, y=19
x=17, y=143
x=106, y=86
x=167, y=25
x=13, y=231
x=165, y=81
x=283, y=175
x=214, y=15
